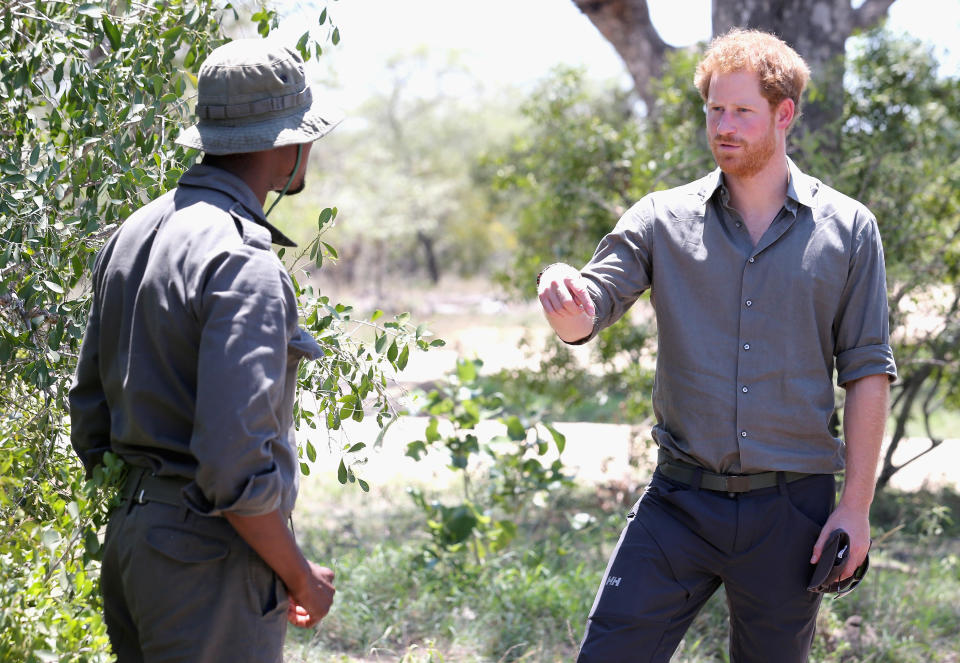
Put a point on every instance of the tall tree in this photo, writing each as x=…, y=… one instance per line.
x=817, y=29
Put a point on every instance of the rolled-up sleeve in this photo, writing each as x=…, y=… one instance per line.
x=620, y=269
x=861, y=328
x=247, y=316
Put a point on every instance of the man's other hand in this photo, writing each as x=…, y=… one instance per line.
x=857, y=525
x=311, y=602
x=566, y=302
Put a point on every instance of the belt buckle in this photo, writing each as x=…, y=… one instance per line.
x=736, y=483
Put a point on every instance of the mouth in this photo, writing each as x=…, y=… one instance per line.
x=726, y=145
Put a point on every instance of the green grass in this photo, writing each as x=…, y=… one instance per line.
x=529, y=602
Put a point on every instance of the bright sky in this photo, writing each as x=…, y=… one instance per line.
x=518, y=41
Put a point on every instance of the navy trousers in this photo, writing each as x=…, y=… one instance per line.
x=681, y=543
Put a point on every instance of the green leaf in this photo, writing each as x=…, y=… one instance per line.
x=392, y=352
x=356, y=447
x=91, y=543
x=323, y=16
x=311, y=452
x=376, y=315
x=302, y=45
x=432, y=432
x=304, y=469
x=558, y=438
x=380, y=344
x=404, y=356
x=515, y=429
x=364, y=486
x=51, y=538
x=342, y=472
x=172, y=35
x=56, y=287
x=336, y=36
x=466, y=370
x=112, y=32
x=416, y=449
x=325, y=215
x=332, y=251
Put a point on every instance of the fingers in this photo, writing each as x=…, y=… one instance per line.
x=298, y=616
x=568, y=297
x=818, y=546
x=858, y=553
x=581, y=298
x=316, y=600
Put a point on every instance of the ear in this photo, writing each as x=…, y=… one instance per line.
x=783, y=113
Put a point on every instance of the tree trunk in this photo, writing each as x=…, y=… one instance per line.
x=430, y=254
x=817, y=29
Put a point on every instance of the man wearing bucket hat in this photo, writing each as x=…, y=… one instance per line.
x=188, y=370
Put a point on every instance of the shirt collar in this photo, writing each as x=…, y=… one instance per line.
x=800, y=187
x=209, y=177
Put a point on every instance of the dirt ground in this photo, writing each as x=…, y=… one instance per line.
x=476, y=321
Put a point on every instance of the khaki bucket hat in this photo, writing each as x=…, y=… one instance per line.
x=252, y=95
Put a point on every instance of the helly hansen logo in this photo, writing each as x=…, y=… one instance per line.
x=613, y=581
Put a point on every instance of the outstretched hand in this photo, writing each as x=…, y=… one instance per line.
x=566, y=302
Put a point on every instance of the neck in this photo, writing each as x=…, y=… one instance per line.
x=760, y=191
x=248, y=167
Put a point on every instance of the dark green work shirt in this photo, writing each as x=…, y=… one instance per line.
x=749, y=336
x=189, y=361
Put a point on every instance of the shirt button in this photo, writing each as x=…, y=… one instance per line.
x=749, y=302
x=746, y=346
x=750, y=260
x=743, y=433
x=745, y=390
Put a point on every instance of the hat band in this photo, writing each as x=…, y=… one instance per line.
x=253, y=108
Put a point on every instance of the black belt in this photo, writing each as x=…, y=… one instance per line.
x=144, y=486
x=726, y=483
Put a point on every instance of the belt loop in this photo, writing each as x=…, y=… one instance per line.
x=782, y=483
x=697, y=479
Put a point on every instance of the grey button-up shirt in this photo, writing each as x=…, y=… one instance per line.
x=189, y=361
x=748, y=336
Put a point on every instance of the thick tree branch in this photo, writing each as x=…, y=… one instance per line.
x=870, y=12
x=627, y=26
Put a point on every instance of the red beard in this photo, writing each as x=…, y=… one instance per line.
x=749, y=159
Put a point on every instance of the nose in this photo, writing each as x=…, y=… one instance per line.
x=724, y=126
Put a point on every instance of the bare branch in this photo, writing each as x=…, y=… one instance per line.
x=870, y=12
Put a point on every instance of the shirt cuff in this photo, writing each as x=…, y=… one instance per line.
x=857, y=363
x=261, y=494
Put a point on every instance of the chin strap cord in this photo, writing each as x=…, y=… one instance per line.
x=296, y=168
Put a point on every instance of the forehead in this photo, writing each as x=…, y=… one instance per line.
x=741, y=85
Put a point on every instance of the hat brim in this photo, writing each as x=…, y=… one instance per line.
x=303, y=127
